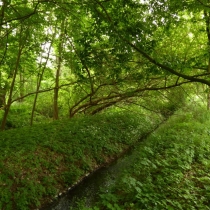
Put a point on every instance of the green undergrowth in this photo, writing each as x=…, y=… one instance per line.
x=36, y=163
x=171, y=169
x=20, y=114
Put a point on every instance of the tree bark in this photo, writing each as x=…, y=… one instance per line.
x=2, y=96
x=207, y=18
x=9, y=101
x=3, y=90
x=58, y=72
x=39, y=80
x=208, y=91
x=21, y=87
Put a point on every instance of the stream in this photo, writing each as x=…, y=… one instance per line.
x=86, y=191
x=102, y=178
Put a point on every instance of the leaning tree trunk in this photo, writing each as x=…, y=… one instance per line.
x=9, y=101
x=36, y=96
x=39, y=80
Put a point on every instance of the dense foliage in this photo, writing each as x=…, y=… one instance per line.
x=66, y=59
x=37, y=163
x=63, y=58
x=170, y=171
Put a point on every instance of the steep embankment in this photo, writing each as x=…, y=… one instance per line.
x=37, y=163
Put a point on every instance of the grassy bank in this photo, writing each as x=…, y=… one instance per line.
x=37, y=163
x=171, y=169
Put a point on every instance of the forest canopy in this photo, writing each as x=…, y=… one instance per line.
x=61, y=58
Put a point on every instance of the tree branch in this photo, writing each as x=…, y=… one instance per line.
x=148, y=57
x=21, y=17
x=42, y=91
x=118, y=97
x=203, y=4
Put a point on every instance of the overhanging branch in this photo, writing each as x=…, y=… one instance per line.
x=106, y=101
x=193, y=78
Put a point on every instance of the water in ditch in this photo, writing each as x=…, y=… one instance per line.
x=87, y=190
x=103, y=178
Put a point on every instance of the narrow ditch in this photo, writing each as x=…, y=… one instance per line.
x=103, y=178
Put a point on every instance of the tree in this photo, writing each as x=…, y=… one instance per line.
x=14, y=75
x=142, y=36
x=100, y=53
x=207, y=19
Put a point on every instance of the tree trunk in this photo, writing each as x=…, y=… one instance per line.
x=208, y=92
x=22, y=83
x=9, y=101
x=56, y=89
x=58, y=72
x=3, y=91
x=39, y=80
x=208, y=98
x=2, y=97
x=207, y=17
x=40, y=75
x=34, y=104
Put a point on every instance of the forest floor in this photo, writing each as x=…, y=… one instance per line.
x=38, y=163
x=170, y=170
